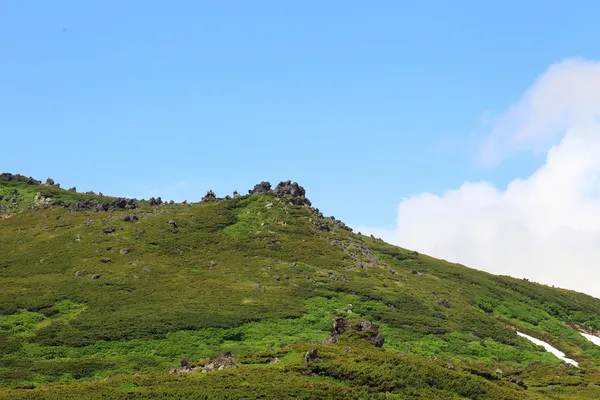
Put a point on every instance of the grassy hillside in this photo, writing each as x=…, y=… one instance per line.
x=101, y=297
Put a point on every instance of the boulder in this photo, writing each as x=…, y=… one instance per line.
x=444, y=303
x=311, y=356
x=263, y=187
x=108, y=230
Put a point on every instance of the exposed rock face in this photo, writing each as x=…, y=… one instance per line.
x=263, y=187
x=292, y=192
x=49, y=182
x=130, y=218
x=369, y=330
x=5, y=176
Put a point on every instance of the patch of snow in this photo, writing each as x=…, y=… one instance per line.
x=551, y=349
x=591, y=338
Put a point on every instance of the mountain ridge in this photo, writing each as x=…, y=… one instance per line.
x=97, y=286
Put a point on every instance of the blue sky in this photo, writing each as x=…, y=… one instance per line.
x=363, y=103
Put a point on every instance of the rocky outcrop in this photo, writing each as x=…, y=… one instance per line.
x=311, y=356
x=225, y=361
x=210, y=197
x=93, y=205
x=366, y=329
x=7, y=177
x=263, y=187
x=293, y=192
x=155, y=201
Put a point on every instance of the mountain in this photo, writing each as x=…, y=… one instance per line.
x=261, y=296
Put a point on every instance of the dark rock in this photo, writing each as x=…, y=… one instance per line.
x=94, y=277
x=73, y=189
x=451, y=366
x=110, y=229
x=210, y=197
x=367, y=329
x=311, y=356
x=293, y=192
x=518, y=382
x=323, y=226
x=444, y=303
x=108, y=248
x=173, y=223
x=213, y=263
x=105, y=260
x=377, y=340
x=185, y=363
x=130, y=218
x=235, y=194
x=6, y=177
x=155, y=201
x=263, y=187
x=79, y=273
x=277, y=277
x=49, y=182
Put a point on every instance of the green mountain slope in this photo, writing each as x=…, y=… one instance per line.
x=101, y=297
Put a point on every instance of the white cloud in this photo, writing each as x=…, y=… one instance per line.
x=545, y=227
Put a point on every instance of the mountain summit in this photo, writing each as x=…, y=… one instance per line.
x=262, y=296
